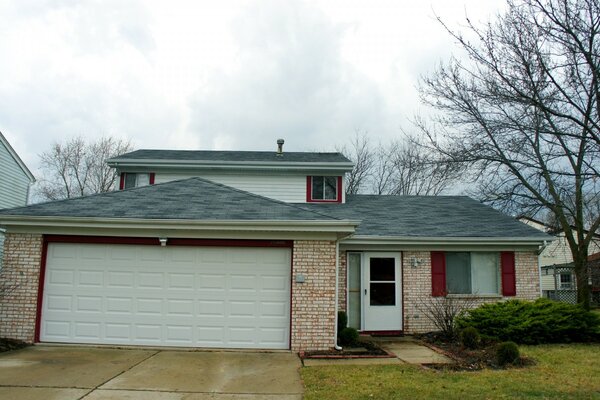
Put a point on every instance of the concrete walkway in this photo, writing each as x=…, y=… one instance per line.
x=406, y=349
x=89, y=373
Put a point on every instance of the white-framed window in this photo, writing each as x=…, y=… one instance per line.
x=324, y=188
x=473, y=273
x=566, y=281
x=135, y=180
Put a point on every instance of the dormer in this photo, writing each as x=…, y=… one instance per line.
x=294, y=177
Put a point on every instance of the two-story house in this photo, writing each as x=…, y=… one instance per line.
x=15, y=181
x=240, y=249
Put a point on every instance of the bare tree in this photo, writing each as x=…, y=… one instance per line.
x=522, y=112
x=360, y=153
x=77, y=168
x=442, y=311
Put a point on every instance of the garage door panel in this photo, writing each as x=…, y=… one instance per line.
x=168, y=296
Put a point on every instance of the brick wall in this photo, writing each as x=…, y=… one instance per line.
x=342, y=283
x=313, y=301
x=417, y=287
x=19, y=280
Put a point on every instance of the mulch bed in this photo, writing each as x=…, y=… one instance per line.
x=11, y=344
x=360, y=350
x=467, y=359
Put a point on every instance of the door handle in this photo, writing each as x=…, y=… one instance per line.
x=365, y=292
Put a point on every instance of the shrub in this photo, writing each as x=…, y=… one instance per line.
x=348, y=336
x=443, y=311
x=469, y=337
x=342, y=321
x=507, y=353
x=540, y=321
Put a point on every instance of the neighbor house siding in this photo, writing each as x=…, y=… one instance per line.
x=313, y=301
x=19, y=280
x=14, y=183
x=417, y=287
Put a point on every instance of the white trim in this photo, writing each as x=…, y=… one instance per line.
x=441, y=241
x=254, y=165
x=16, y=157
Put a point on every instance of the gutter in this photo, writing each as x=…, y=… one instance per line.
x=342, y=226
x=441, y=241
x=231, y=165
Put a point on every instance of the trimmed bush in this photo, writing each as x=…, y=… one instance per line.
x=342, y=321
x=526, y=322
x=348, y=336
x=507, y=353
x=469, y=337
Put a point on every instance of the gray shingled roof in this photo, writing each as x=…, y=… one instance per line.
x=426, y=216
x=193, y=198
x=231, y=156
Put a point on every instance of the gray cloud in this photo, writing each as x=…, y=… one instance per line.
x=291, y=82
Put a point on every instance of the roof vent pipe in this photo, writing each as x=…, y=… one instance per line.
x=280, y=143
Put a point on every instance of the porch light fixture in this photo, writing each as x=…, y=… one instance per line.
x=415, y=262
x=163, y=242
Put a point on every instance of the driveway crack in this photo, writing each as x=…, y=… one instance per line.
x=119, y=374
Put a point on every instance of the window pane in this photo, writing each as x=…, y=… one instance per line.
x=354, y=271
x=330, y=187
x=382, y=269
x=485, y=273
x=383, y=294
x=142, y=180
x=354, y=290
x=129, y=181
x=317, y=187
x=458, y=273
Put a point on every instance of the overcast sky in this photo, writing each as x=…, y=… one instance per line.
x=232, y=75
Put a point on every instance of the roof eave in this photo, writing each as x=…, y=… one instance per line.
x=339, y=226
x=440, y=241
x=253, y=165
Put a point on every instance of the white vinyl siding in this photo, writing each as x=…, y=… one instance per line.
x=290, y=188
x=225, y=297
x=14, y=183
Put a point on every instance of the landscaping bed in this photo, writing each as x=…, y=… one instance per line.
x=362, y=349
x=11, y=344
x=484, y=356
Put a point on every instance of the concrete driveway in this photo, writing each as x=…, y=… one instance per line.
x=70, y=373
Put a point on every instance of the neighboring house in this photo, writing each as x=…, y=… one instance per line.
x=15, y=181
x=235, y=249
x=556, y=263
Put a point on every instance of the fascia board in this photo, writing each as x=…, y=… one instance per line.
x=251, y=165
x=338, y=226
x=442, y=241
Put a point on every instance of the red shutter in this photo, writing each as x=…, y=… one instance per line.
x=308, y=189
x=152, y=178
x=122, y=181
x=509, y=281
x=339, y=189
x=438, y=273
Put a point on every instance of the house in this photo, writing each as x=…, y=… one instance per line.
x=15, y=181
x=556, y=263
x=241, y=249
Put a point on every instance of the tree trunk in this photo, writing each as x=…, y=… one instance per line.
x=583, y=284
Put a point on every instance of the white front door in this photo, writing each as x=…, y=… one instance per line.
x=382, y=292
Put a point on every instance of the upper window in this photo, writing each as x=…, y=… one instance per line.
x=130, y=180
x=472, y=273
x=324, y=188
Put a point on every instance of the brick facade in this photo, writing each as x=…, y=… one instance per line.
x=313, y=301
x=417, y=285
x=19, y=280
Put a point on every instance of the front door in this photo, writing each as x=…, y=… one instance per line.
x=382, y=292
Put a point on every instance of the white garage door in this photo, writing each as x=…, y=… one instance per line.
x=167, y=296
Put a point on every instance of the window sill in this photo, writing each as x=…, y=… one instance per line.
x=476, y=296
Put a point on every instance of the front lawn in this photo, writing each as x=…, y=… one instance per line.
x=562, y=372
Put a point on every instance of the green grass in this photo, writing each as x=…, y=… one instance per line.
x=562, y=372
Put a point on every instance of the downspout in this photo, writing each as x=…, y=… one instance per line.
x=337, y=280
